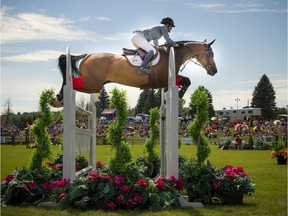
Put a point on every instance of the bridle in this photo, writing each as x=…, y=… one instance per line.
x=209, y=53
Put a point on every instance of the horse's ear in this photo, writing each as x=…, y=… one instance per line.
x=205, y=41
x=212, y=42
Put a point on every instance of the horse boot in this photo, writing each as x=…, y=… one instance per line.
x=144, y=69
x=182, y=91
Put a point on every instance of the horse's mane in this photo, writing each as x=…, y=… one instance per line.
x=164, y=47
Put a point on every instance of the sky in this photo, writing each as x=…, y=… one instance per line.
x=251, y=40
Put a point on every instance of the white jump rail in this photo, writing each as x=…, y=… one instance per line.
x=77, y=138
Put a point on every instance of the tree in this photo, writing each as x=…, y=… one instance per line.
x=200, y=99
x=8, y=110
x=141, y=101
x=103, y=102
x=264, y=97
x=211, y=111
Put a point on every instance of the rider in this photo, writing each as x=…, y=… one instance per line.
x=141, y=38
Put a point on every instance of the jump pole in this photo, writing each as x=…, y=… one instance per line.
x=71, y=133
x=169, y=125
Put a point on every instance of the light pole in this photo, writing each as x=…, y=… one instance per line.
x=237, y=100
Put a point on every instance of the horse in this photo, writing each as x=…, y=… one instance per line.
x=91, y=72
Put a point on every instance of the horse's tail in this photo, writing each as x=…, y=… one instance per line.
x=62, y=67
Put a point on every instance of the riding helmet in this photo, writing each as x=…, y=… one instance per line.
x=167, y=20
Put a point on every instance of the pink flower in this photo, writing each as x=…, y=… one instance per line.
x=94, y=176
x=8, y=178
x=120, y=199
x=57, y=167
x=159, y=184
x=47, y=186
x=137, y=198
x=142, y=183
x=60, y=183
x=118, y=180
x=62, y=195
x=125, y=189
x=111, y=206
x=130, y=203
x=107, y=178
x=30, y=185
x=179, y=184
x=173, y=179
x=215, y=186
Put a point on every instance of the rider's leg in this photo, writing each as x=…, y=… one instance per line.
x=139, y=40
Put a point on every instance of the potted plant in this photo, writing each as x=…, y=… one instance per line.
x=280, y=151
x=231, y=184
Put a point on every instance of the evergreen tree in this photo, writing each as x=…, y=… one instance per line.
x=211, y=111
x=150, y=101
x=103, y=102
x=141, y=101
x=264, y=97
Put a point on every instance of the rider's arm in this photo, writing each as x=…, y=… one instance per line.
x=165, y=34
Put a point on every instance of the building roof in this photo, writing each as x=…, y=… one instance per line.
x=108, y=111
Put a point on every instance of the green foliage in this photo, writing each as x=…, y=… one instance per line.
x=193, y=106
x=200, y=99
x=147, y=100
x=198, y=179
x=103, y=102
x=154, y=134
x=115, y=132
x=39, y=129
x=264, y=97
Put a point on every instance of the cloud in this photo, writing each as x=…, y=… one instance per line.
x=243, y=7
x=40, y=56
x=101, y=18
x=24, y=27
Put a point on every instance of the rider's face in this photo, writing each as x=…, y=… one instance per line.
x=169, y=28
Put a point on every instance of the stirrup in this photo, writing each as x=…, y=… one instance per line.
x=144, y=70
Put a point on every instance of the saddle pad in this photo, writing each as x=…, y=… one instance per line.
x=137, y=61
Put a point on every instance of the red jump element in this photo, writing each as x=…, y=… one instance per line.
x=78, y=83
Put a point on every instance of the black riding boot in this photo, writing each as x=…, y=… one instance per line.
x=144, y=69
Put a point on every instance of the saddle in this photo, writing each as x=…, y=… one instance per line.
x=142, y=53
x=136, y=56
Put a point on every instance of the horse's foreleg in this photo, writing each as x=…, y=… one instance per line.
x=184, y=82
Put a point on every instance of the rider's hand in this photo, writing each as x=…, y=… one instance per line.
x=176, y=45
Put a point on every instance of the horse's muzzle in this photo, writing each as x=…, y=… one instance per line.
x=211, y=69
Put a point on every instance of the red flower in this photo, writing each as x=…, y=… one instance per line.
x=120, y=199
x=159, y=184
x=30, y=185
x=137, y=198
x=118, y=180
x=62, y=195
x=142, y=183
x=58, y=167
x=99, y=164
x=8, y=178
x=94, y=176
x=125, y=189
x=111, y=206
x=130, y=203
x=60, y=183
x=179, y=184
x=173, y=179
x=107, y=178
x=49, y=163
x=47, y=186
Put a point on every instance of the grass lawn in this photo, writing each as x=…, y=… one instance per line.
x=270, y=197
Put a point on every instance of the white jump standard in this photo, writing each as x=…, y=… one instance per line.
x=169, y=129
x=75, y=138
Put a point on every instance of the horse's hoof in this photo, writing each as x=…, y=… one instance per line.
x=56, y=103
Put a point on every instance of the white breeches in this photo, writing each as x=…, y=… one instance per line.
x=138, y=40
